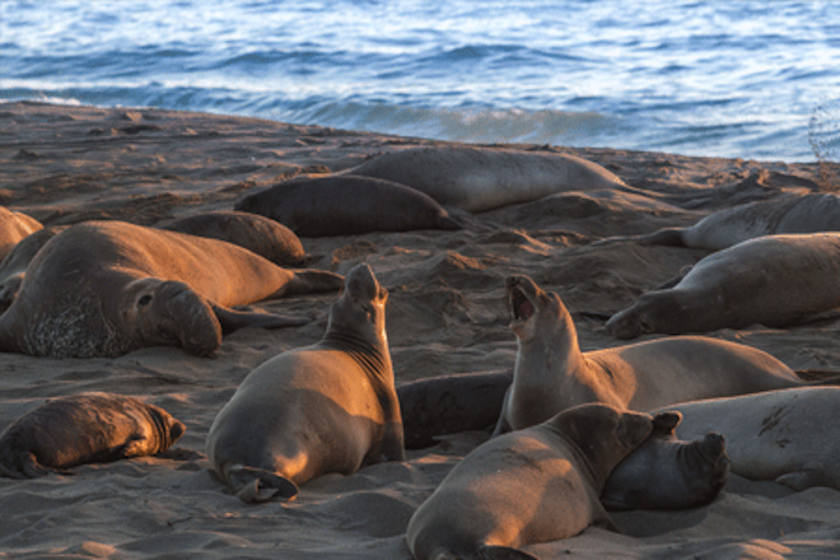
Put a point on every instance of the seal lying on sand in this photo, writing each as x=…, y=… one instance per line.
x=106, y=288
x=326, y=408
x=258, y=234
x=552, y=374
x=777, y=280
x=347, y=205
x=14, y=226
x=535, y=485
x=789, y=436
x=86, y=428
x=667, y=473
x=810, y=213
x=479, y=179
x=13, y=267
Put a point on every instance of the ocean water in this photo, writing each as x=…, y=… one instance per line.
x=749, y=79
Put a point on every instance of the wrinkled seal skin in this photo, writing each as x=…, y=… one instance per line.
x=347, y=205
x=258, y=234
x=450, y=404
x=480, y=179
x=668, y=473
x=14, y=227
x=535, y=485
x=326, y=408
x=777, y=281
x=86, y=428
x=107, y=288
x=552, y=374
x=788, y=436
x=810, y=213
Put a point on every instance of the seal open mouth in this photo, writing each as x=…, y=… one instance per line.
x=521, y=307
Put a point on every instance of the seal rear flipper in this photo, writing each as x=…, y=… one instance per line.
x=310, y=282
x=29, y=467
x=488, y=552
x=232, y=320
x=253, y=485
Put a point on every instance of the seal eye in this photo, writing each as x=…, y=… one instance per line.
x=145, y=300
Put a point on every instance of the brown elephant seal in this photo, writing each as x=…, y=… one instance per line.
x=810, y=213
x=552, y=374
x=347, y=205
x=86, y=428
x=14, y=226
x=790, y=436
x=450, y=404
x=14, y=264
x=480, y=179
x=258, y=234
x=326, y=408
x=107, y=288
x=777, y=281
x=535, y=485
x=668, y=473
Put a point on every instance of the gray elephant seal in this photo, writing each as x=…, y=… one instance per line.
x=810, y=213
x=347, y=205
x=259, y=234
x=14, y=226
x=535, y=485
x=86, y=428
x=326, y=408
x=449, y=404
x=668, y=473
x=14, y=264
x=777, y=281
x=789, y=436
x=479, y=179
x=107, y=288
x=552, y=374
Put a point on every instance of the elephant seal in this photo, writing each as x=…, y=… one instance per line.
x=85, y=428
x=552, y=374
x=535, y=485
x=480, y=179
x=668, y=473
x=14, y=264
x=326, y=408
x=789, y=436
x=14, y=226
x=259, y=234
x=810, y=213
x=449, y=404
x=776, y=280
x=107, y=288
x=347, y=205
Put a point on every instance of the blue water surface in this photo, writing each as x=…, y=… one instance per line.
x=750, y=79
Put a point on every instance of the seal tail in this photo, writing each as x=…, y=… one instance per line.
x=232, y=320
x=252, y=485
x=310, y=282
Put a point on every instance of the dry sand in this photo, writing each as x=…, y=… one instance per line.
x=446, y=315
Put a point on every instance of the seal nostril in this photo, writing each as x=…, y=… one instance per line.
x=145, y=300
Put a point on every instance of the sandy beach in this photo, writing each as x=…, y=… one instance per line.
x=446, y=314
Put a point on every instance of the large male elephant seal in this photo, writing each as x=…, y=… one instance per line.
x=777, y=280
x=535, y=485
x=347, y=205
x=552, y=374
x=790, y=436
x=258, y=234
x=668, y=473
x=326, y=408
x=479, y=179
x=14, y=264
x=810, y=213
x=86, y=428
x=106, y=288
x=14, y=226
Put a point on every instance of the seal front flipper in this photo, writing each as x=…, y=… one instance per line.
x=232, y=320
x=487, y=552
x=254, y=485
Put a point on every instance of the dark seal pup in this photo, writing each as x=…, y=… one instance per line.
x=107, y=288
x=86, y=428
x=535, y=485
x=347, y=205
x=326, y=408
x=668, y=473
